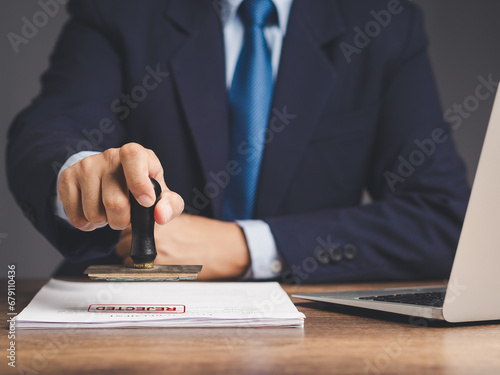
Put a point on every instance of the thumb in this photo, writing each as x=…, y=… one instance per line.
x=169, y=206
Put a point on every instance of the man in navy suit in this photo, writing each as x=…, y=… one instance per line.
x=140, y=89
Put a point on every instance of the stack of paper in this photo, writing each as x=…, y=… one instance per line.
x=65, y=304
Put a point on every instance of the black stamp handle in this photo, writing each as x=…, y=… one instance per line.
x=143, y=249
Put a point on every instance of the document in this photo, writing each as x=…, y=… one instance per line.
x=67, y=304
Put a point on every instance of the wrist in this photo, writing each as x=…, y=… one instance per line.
x=238, y=248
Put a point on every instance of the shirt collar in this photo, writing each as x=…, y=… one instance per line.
x=228, y=10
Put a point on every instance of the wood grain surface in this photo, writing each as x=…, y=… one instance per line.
x=335, y=340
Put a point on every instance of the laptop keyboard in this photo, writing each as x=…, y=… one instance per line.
x=435, y=299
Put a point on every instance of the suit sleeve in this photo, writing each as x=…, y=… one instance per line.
x=417, y=184
x=71, y=114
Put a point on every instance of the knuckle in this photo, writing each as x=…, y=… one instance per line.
x=87, y=166
x=130, y=150
x=115, y=203
x=110, y=154
x=66, y=178
x=151, y=154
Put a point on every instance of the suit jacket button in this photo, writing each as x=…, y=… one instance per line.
x=276, y=266
x=321, y=255
x=335, y=253
x=350, y=251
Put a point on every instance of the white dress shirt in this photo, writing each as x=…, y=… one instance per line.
x=266, y=262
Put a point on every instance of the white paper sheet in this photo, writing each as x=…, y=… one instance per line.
x=66, y=304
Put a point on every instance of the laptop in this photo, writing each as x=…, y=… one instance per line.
x=473, y=290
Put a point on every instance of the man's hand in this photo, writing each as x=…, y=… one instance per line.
x=95, y=191
x=219, y=246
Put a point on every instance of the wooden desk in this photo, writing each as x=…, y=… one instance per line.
x=335, y=340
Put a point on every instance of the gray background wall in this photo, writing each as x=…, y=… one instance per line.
x=464, y=36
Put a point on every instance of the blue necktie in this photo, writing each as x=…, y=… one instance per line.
x=250, y=99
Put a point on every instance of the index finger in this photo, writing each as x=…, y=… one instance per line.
x=138, y=165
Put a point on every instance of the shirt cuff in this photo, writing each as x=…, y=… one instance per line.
x=266, y=261
x=73, y=159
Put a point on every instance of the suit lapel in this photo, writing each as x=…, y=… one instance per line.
x=198, y=70
x=305, y=81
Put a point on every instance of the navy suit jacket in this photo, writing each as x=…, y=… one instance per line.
x=350, y=112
